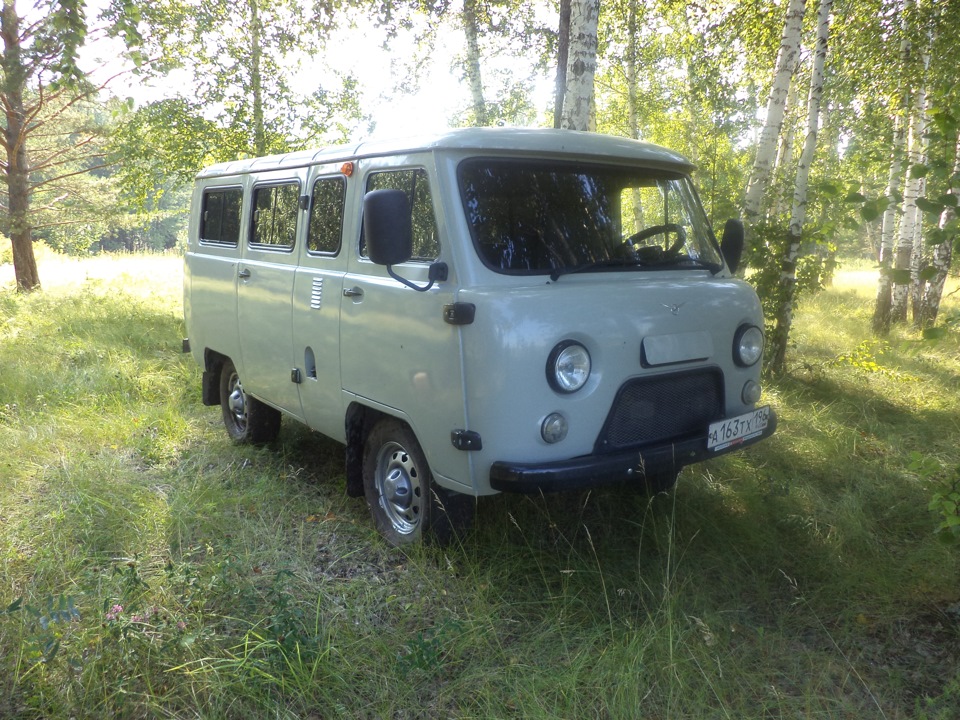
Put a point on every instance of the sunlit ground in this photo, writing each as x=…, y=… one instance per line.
x=130, y=273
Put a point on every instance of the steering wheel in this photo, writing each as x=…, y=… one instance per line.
x=639, y=237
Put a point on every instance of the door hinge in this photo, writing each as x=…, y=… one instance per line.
x=466, y=440
x=295, y=376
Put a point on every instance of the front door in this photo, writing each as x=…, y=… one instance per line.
x=397, y=351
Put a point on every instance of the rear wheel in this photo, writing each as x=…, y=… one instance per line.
x=247, y=419
x=407, y=507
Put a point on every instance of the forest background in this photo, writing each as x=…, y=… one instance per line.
x=830, y=129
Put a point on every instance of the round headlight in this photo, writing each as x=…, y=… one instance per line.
x=747, y=345
x=568, y=367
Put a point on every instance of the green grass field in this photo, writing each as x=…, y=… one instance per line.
x=150, y=569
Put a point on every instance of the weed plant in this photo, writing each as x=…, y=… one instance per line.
x=149, y=568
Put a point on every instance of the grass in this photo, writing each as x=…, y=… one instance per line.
x=800, y=579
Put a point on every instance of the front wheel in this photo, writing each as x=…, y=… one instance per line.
x=247, y=419
x=405, y=504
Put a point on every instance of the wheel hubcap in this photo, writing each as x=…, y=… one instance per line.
x=236, y=401
x=398, y=483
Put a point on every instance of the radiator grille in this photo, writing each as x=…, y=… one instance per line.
x=649, y=410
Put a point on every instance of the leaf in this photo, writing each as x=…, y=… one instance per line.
x=855, y=197
x=950, y=200
x=900, y=276
x=918, y=171
x=928, y=273
x=870, y=211
x=929, y=206
x=934, y=333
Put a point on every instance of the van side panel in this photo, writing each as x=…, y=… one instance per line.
x=317, y=294
x=265, y=294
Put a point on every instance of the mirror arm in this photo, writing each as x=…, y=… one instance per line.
x=437, y=273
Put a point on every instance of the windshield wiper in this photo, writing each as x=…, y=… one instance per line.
x=659, y=262
x=608, y=263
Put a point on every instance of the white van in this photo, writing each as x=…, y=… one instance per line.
x=483, y=310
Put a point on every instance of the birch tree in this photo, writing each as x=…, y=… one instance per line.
x=948, y=227
x=472, y=61
x=787, y=61
x=908, y=248
x=578, y=96
x=788, y=279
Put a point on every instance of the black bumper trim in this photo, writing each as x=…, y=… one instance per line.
x=594, y=470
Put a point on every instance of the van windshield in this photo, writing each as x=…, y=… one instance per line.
x=556, y=218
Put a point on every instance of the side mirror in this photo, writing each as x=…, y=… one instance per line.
x=387, y=227
x=732, y=244
x=388, y=235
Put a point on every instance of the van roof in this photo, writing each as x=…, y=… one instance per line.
x=526, y=141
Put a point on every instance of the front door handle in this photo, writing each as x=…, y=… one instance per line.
x=244, y=274
x=352, y=292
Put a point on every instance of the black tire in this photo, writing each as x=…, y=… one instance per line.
x=406, y=506
x=247, y=419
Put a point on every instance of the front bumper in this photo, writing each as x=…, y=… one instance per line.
x=594, y=470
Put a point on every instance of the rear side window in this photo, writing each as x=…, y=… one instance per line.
x=326, y=216
x=220, y=218
x=275, y=210
x=426, y=243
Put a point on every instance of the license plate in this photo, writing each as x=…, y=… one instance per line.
x=736, y=430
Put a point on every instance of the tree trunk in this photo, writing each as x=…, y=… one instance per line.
x=630, y=66
x=785, y=151
x=474, y=78
x=788, y=276
x=942, y=258
x=17, y=173
x=913, y=189
x=881, y=313
x=563, y=51
x=578, y=98
x=256, y=81
x=787, y=61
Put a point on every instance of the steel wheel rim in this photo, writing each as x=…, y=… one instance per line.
x=237, y=402
x=398, y=487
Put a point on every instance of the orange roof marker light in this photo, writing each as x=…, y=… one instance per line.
x=347, y=169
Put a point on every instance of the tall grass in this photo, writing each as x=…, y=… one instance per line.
x=148, y=568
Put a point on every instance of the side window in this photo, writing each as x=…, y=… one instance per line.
x=275, y=209
x=426, y=242
x=326, y=216
x=220, y=216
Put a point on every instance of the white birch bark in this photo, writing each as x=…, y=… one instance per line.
x=910, y=219
x=889, y=236
x=472, y=63
x=578, y=101
x=787, y=61
x=784, y=160
x=798, y=215
x=942, y=259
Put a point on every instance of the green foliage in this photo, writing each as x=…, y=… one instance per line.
x=945, y=502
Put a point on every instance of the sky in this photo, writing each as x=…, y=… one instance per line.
x=441, y=92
